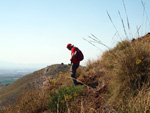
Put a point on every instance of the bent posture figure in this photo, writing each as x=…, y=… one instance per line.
x=76, y=57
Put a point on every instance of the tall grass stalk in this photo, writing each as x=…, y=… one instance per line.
x=123, y=25
x=147, y=18
x=113, y=24
x=130, y=32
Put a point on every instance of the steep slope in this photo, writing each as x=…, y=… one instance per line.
x=33, y=80
x=118, y=82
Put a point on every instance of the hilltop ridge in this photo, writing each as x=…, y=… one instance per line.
x=145, y=38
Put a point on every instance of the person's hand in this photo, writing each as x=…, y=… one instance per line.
x=71, y=60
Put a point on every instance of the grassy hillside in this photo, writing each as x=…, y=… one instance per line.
x=14, y=90
x=118, y=82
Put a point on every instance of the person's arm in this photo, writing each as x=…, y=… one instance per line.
x=73, y=55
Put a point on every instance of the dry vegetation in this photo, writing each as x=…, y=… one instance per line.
x=117, y=82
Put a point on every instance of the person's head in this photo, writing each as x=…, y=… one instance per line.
x=70, y=46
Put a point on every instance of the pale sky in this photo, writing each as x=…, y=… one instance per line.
x=37, y=31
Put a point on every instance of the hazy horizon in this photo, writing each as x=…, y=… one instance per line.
x=35, y=31
x=10, y=65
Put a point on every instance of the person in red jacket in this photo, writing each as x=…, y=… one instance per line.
x=74, y=62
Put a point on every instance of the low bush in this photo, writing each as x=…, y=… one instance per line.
x=59, y=100
x=128, y=67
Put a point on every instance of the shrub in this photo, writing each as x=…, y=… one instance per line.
x=60, y=99
x=128, y=69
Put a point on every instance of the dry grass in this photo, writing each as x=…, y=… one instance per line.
x=128, y=67
x=118, y=82
x=32, y=101
x=36, y=100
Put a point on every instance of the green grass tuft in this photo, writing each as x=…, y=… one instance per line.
x=59, y=99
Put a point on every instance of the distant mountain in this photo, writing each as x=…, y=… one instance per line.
x=13, y=69
x=15, y=72
x=10, y=65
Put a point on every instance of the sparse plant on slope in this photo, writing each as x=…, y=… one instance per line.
x=59, y=100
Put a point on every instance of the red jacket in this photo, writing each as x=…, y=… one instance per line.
x=73, y=51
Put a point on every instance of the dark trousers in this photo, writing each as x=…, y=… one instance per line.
x=74, y=67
